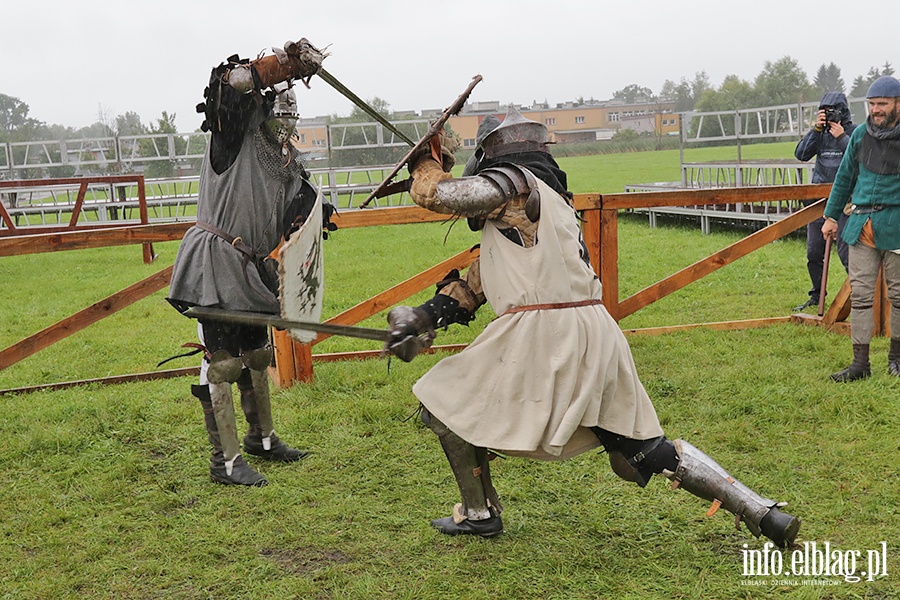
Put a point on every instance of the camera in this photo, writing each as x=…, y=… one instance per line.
x=832, y=115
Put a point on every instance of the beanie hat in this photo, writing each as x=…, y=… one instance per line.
x=884, y=87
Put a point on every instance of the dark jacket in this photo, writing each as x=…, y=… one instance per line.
x=827, y=149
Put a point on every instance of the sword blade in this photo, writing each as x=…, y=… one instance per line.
x=340, y=87
x=435, y=127
x=252, y=318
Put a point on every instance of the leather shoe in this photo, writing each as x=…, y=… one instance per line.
x=851, y=373
x=278, y=451
x=241, y=473
x=806, y=304
x=486, y=528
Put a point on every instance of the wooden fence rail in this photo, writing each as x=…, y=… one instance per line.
x=600, y=212
x=78, y=218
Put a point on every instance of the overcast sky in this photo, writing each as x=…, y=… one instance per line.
x=71, y=60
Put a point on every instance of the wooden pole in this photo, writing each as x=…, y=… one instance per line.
x=609, y=265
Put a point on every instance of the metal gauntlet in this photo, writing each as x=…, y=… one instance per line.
x=411, y=332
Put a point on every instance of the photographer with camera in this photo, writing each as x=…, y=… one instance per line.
x=827, y=141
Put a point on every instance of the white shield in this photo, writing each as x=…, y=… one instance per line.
x=301, y=268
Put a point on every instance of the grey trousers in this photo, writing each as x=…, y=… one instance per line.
x=865, y=263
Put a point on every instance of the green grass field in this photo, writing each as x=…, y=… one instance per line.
x=105, y=490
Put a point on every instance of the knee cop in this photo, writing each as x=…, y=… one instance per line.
x=637, y=460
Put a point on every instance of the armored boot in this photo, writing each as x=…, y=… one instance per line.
x=253, y=384
x=479, y=511
x=859, y=368
x=894, y=357
x=702, y=476
x=241, y=473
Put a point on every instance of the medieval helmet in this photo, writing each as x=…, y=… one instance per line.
x=516, y=134
x=487, y=125
x=282, y=121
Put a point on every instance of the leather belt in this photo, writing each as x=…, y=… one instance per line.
x=236, y=242
x=552, y=306
x=865, y=210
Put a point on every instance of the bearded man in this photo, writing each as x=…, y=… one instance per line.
x=869, y=176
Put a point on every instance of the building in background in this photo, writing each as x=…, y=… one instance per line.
x=569, y=122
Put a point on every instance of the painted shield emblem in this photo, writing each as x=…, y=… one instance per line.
x=301, y=267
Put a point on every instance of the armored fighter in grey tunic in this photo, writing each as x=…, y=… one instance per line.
x=249, y=201
x=253, y=192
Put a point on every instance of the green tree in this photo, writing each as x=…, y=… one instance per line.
x=633, y=93
x=828, y=79
x=15, y=124
x=861, y=84
x=626, y=135
x=154, y=147
x=783, y=82
x=130, y=124
x=686, y=93
x=734, y=93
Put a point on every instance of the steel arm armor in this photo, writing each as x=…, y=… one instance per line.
x=475, y=196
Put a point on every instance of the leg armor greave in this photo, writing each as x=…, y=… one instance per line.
x=201, y=393
x=256, y=403
x=257, y=361
x=702, y=476
x=470, y=466
x=224, y=370
x=226, y=464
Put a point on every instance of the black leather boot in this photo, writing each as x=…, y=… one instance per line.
x=858, y=369
x=894, y=357
x=278, y=450
x=254, y=442
x=241, y=472
x=485, y=528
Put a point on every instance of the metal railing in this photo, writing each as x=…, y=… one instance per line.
x=114, y=155
x=784, y=121
x=30, y=204
x=789, y=121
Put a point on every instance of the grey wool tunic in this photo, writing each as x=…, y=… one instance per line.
x=248, y=202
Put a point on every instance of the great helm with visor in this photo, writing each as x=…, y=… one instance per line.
x=282, y=121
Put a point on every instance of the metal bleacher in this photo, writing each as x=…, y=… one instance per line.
x=167, y=198
x=741, y=127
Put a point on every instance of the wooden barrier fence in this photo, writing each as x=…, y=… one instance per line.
x=294, y=361
x=78, y=218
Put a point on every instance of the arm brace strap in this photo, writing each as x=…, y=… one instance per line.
x=444, y=310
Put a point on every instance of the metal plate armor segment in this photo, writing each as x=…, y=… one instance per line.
x=702, y=476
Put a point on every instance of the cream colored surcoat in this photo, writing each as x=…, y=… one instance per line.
x=534, y=382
